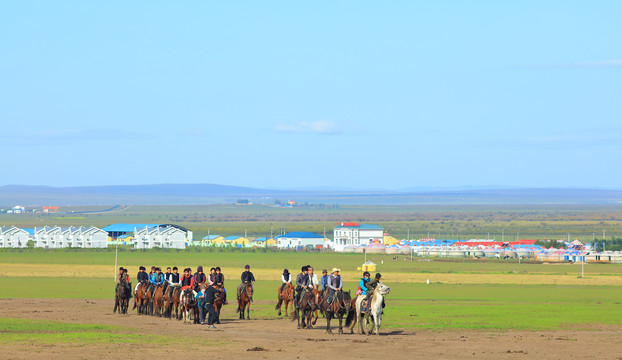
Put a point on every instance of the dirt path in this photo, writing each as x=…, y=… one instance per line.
x=280, y=339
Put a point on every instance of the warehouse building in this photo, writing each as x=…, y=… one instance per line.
x=357, y=234
x=163, y=236
x=13, y=237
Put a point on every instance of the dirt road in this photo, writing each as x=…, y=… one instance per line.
x=279, y=339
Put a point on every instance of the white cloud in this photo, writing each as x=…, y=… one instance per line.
x=322, y=127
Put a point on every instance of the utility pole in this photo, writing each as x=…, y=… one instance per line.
x=116, y=244
x=408, y=234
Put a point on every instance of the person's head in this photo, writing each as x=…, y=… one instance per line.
x=335, y=271
x=186, y=271
x=324, y=272
x=285, y=271
x=366, y=274
x=212, y=271
x=200, y=269
x=247, y=268
x=304, y=269
x=310, y=269
x=153, y=269
x=189, y=270
x=121, y=270
x=168, y=269
x=158, y=270
x=175, y=270
x=217, y=269
x=124, y=270
x=203, y=288
x=142, y=268
x=378, y=276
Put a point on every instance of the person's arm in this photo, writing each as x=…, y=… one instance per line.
x=340, y=283
x=252, y=278
x=369, y=285
x=289, y=280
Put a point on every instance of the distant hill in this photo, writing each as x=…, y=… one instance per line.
x=217, y=194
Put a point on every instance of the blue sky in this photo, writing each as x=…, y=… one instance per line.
x=361, y=94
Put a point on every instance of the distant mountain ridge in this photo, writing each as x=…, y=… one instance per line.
x=175, y=194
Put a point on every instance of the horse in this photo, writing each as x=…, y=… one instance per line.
x=218, y=301
x=121, y=297
x=149, y=292
x=375, y=312
x=172, y=302
x=244, y=302
x=189, y=307
x=287, y=297
x=318, y=295
x=341, y=305
x=141, y=298
x=158, y=300
x=308, y=303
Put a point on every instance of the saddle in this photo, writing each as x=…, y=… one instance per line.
x=366, y=304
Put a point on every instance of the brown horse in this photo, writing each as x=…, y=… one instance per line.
x=189, y=307
x=244, y=302
x=172, y=301
x=141, y=298
x=121, y=298
x=340, y=306
x=318, y=296
x=287, y=297
x=158, y=300
x=308, y=304
x=218, y=301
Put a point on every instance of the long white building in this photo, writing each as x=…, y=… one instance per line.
x=54, y=237
x=299, y=239
x=13, y=237
x=159, y=236
x=357, y=234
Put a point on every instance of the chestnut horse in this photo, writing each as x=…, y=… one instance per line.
x=121, y=298
x=172, y=302
x=244, y=302
x=287, y=297
x=141, y=298
x=158, y=300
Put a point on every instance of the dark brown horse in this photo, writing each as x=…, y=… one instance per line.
x=122, y=298
x=218, y=301
x=189, y=307
x=172, y=301
x=141, y=298
x=340, y=306
x=244, y=301
x=304, y=312
x=287, y=297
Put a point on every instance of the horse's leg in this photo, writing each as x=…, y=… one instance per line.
x=316, y=316
x=248, y=310
x=377, y=320
x=341, y=324
x=278, y=306
x=116, y=302
x=329, y=316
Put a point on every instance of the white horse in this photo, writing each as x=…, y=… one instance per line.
x=188, y=305
x=376, y=311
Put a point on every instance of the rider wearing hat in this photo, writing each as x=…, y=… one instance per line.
x=247, y=278
x=198, y=278
x=302, y=282
x=335, y=283
x=173, y=281
x=286, y=278
x=219, y=281
x=153, y=270
x=371, y=285
x=141, y=276
x=324, y=279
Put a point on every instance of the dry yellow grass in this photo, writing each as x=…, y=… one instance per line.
x=101, y=271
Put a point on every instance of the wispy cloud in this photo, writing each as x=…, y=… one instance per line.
x=322, y=127
x=49, y=137
x=602, y=64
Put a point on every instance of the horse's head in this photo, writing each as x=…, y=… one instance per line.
x=382, y=289
x=347, y=299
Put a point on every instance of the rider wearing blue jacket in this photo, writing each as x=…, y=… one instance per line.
x=364, y=280
x=158, y=278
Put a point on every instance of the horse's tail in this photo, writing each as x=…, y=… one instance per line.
x=350, y=317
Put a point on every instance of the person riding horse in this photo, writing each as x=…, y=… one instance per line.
x=219, y=281
x=186, y=282
x=198, y=278
x=323, y=280
x=286, y=278
x=370, y=286
x=123, y=280
x=335, y=283
x=313, y=281
x=364, y=280
x=157, y=279
x=302, y=282
x=173, y=281
x=247, y=279
x=142, y=276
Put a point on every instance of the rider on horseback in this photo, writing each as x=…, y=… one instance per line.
x=123, y=280
x=173, y=281
x=313, y=281
x=286, y=278
x=324, y=280
x=247, y=278
x=157, y=278
x=219, y=281
x=141, y=276
x=302, y=282
x=186, y=282
x=335, y=283
x=198, y=278
x=364, y=280
x=371, y=286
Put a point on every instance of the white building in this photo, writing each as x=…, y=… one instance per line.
x=12, y=237
x=159, y=236
x=299, y=239
x=48, y=237
x=357, y=234
x=81, y=237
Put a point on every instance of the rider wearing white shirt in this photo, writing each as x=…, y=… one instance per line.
x=286, y=277
x=313, y=280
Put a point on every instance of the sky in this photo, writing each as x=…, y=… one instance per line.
x=289, y=94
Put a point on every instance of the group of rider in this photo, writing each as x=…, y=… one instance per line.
x=307, y=281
